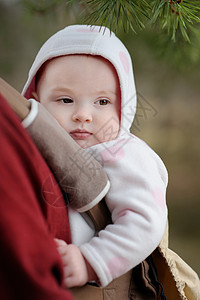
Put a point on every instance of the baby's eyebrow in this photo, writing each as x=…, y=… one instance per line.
x=104, y=92
x=61, y=89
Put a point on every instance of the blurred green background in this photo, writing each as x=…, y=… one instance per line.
x=168, y=114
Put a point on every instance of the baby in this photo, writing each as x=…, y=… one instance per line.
x=83, y=76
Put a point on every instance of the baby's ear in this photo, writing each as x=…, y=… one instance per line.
x=34, y=95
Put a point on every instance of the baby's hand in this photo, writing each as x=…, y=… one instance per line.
x=77, y=271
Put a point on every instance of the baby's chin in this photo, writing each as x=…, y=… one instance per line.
x=84, y=144
x=87, y=143
x=91, y=142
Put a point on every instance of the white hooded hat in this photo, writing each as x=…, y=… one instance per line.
x=93, y=40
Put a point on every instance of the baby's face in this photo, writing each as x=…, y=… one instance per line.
x=82, y=92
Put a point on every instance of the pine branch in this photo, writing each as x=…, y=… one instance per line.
x=115, y=14
x=176, y=16
x=173, y=16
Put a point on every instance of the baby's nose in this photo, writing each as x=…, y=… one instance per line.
x=82, y=116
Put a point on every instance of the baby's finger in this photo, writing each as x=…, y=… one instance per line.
x=62, y=251
x=60, y=243
x=72, y=281
x=68, y=272
x=69, y=282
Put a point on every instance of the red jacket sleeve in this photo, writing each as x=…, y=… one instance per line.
x=32, y=212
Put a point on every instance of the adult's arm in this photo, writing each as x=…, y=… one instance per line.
x=30, y=266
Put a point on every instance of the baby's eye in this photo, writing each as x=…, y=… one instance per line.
x=66, y=100
x=103, y=102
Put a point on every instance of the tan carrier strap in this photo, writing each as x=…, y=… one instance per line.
x=17, y=102
x=100, y=215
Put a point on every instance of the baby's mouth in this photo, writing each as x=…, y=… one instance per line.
x=80, y=134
